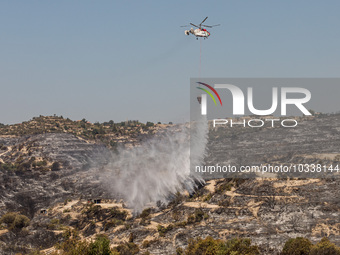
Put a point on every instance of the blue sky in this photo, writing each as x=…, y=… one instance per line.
x=119, y=60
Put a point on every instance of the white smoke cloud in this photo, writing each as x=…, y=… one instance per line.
x=159, y=167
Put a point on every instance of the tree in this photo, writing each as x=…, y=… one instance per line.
x=149, y=124
x=312, y=111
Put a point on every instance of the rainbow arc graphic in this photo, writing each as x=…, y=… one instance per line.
x=209, y=93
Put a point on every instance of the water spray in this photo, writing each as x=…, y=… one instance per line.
x=159, y=168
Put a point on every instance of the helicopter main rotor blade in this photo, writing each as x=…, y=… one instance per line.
x=184, y=26
x=211, y=26
x=194, y=25
x=203, y=21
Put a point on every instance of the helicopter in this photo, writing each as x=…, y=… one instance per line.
x=199, y=31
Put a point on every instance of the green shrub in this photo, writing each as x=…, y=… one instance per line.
x=118, y=214
x=297, y=246
x=149, y=124
x=54, y=224
x=181, y=224
x=179, y=251
x=204, y=246
x=197, y=216
x=224, y=187
x=240, y=246
x=42, y=163
x=8, y=166
x=15, y=221
x=145, y=213
x=207, y=197
x=236, y=246
x=325, y=247
x=67, y=200
x=126, y=249
x=163, y=230
x=73, y=246
x=8, y=218
x=113, y=223
x=101, y=246
x=148, y=243
x=92, y=211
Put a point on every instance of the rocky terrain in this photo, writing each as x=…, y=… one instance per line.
x=313, y=141
x=52, y=178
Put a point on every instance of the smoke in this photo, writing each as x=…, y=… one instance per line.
x=158, y=168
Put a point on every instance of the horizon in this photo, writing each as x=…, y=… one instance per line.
x=113, y=61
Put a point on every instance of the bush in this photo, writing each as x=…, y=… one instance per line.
x=126, y=249
x=148, y=243
x=112, y=223
x=297, y=246
x=145, y=213
x=224, y=187
x=118, y=214
x=302, y=246
x=8, y=218
x=197, y=216
x=325, y=247
x=181, y=224
x=8, y=166
x=204, y=246
x=20, y=222
x=101, y=246
x=178, y=198
x=92, y=211
x=237, y=246
x=42, y=163
x=54, y=224
x=145, y=217
x=73, y=246
x=15, y=221
x=207, y=197
x=240, y=246
x=179, y=251
x=163, y=230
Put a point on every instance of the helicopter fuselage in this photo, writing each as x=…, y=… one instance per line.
x=198, y=32
x=201, y=32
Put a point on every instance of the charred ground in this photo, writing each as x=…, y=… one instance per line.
x=47, y=176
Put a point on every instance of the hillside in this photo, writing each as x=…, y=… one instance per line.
x=53, y=200
x=110, y=133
